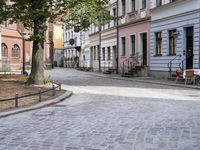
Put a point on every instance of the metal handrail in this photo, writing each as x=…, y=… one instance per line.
x=129, y=62
x=181, y=64
x=171, y=61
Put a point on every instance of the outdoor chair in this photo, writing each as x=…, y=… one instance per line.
x=179, y=76
x=189, y=77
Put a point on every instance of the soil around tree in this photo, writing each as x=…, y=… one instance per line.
x=12, y=84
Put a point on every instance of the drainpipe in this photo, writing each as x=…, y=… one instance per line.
x=117, y=46
x=99, y=50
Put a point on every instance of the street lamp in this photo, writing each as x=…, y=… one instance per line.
x=24, y=37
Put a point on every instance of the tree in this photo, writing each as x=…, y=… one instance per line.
x=35, y=14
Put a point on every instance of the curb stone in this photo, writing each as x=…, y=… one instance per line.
x=146, y=81
x=67, y=94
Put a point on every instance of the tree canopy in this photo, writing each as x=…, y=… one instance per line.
x=35, y=14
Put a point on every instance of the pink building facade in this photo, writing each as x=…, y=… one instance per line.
x=134, y=33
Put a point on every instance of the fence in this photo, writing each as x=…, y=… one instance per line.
x=39, y=94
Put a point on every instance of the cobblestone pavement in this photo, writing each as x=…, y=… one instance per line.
x=107, y=114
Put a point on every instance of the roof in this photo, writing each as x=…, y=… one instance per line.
x=10, y=32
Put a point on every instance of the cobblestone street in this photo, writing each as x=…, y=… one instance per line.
x=108, y=114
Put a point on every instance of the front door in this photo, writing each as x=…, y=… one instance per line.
x=114, y=60
x=189, y=47
x=144, y=49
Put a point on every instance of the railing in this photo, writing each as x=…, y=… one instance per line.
x=170, y=64
x=129, y=63
x=182, y=64
x=39, y=94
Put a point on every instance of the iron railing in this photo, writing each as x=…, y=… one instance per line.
x=39, y=94
x=170, y=64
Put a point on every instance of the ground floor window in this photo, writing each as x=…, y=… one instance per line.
x=133, y=44
x=4, y=50
x=103, y=53
x=158, y=36
x=109, y=53
x=15, y=51
x=172, y=42
x=95, y=53
x=123, y=41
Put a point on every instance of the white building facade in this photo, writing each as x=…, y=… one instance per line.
x=175, y=36
x=104, y=43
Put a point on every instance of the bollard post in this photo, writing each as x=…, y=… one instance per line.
x=16, y=100
x=59, y=86
x=53, y=92
x=40, y=95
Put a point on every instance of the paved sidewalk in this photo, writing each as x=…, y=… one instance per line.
x=145, y=80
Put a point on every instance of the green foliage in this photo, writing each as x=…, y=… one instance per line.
x=46, y=80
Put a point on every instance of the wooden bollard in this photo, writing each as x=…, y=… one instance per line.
x=16, y=100
x=40, y=95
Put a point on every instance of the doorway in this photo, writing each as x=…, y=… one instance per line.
x=114, y=58
x=189, y=47
x=144, y=48
x=91, y=57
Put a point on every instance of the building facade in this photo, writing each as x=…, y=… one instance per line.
x=175, y=36
x=103, y=43
x=134, y=31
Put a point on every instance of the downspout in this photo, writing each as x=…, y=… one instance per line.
x=117, y=46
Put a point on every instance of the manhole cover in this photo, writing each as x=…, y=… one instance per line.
x=44, y=113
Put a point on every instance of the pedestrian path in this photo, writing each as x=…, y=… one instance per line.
x=146, y=80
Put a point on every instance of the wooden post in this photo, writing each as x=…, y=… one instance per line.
x=54, y=91
x=16, y=100
x=59, y=86
x=40, y=95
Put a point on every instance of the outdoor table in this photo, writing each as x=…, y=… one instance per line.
x=196, y=72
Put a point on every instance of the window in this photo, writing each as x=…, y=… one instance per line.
x=158, y=2
x=15, y=51
x=115, y=15
x=123, y=46
x=133, y=44
x=123, y=7
x=95, y=53
x=109, y=53
x=159, y=43
x=144, y=5
x=4, y=50
x=133, y=5
x=172, y=42
x=98, y=52
x=103, y=53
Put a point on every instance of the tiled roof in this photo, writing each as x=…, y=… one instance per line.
x=10, y=32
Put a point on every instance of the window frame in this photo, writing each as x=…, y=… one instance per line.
x=15, y=52
x=4, y=54
x=133, y=48
x=172, y=42
x=158, y=43
x=123, y=46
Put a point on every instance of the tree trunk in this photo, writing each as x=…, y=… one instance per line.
x=37, y=70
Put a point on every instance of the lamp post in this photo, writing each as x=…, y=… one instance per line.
x=0, y=40
x=99, y=50
x=23, y=55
